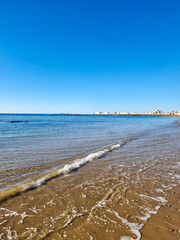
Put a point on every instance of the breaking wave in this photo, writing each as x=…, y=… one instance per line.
x=77, y=163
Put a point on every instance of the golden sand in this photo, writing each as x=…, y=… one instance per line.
x=109, y=198
x=89, y=204
x=166, y=224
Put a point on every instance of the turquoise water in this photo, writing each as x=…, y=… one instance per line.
x=46, y=141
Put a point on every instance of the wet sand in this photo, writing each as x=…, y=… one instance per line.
x=119, y=196
x=166, y=224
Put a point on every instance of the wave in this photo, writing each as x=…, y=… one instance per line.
x=77, y=163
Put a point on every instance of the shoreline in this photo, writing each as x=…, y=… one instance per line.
x=93, y=114
x=139, y=114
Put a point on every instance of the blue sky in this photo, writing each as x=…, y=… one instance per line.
x=85, y=56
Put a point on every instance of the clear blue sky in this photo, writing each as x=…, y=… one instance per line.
x=89, y=55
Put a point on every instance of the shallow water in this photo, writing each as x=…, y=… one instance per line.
x=30, y=148
x=109, y=196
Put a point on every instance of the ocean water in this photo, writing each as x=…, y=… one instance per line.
x=46, y=141
x=90, y=177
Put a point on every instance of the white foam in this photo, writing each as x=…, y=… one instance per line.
x=51, y=202
x=3, y=222
x=158, y=199
x=35, y=210
x=145, y=218
x=11, y=234
x=79, y=162
x=76, y=164
x=158, y=207
x=159, y=190
x=15, y=214
x=148, y=213
x=134, y=227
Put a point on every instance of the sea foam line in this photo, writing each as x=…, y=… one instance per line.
x=59, y=171
x=134, y=227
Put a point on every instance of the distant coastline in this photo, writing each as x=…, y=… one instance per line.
x=158, y=113
x=164, y=114
x=139, y=114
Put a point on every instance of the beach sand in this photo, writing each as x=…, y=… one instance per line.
x=129, y=193
x=166, y=224
x=100, y=201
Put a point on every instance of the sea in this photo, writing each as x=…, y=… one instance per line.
x=84, y=176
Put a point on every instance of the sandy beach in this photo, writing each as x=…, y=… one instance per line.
x=131, y=192
x=98, y=208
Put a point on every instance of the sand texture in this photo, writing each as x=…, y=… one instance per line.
x=166, y=224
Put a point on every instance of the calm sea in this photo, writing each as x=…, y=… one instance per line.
x=43, y=142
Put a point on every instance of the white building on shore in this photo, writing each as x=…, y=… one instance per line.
x=97, y=113
x=106, y=113
x=102, y=113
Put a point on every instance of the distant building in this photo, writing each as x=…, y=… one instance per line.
x=102, y=113
x=158, y=111
x=98, y=113
x=177, y=113
x=106, y=113
x=123, y=113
